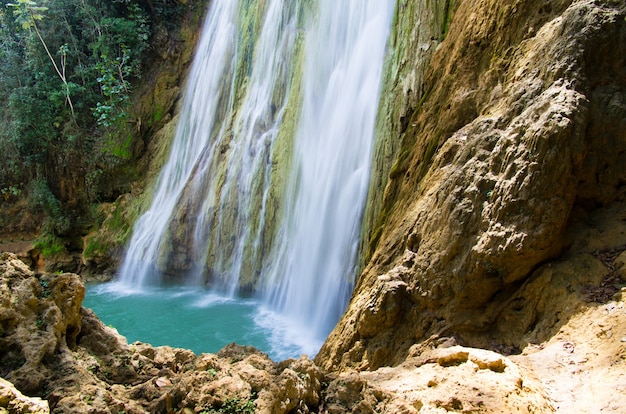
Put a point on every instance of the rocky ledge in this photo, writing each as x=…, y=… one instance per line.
x=53, y=349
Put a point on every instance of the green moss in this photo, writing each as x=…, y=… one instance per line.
x=427, y=158
x=114, y=229
x=234, y=405
x=282, y=151
x=94, y=248
x=374, y=240
x=49, y=245
x=120, y=148
x=399, y=167
x=423, y=99
x=157, y=114
x=447, y=18
x=378, y=231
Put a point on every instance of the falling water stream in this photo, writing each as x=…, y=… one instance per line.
x=265, y=185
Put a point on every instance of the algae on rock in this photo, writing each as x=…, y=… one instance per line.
x=239, y=184
x=416, y=33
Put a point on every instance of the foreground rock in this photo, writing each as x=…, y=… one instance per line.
x=52, y=348
x=503, y=218
x=13, y=401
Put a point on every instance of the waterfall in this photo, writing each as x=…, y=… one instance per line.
x=208, y=94
x=266, y=181
x=312, y=274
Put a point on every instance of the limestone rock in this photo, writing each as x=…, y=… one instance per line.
x=101, y=372
x=459, y=379
x=419, y=30
x=14, y=401
x=516, y=136
x=51, y=347
x=41, y=316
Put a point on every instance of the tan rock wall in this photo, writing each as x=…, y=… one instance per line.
x=522, y=122
x=418, y=29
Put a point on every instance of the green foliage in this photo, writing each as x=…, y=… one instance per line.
x=117, y=65
x=235, y=405
x=49, y=245
x=10, y=191
x=167, y=12
x=46, y=291
x=66, y=84
x=42, y=198
x=68, y=68
x=27, y=13
x=115, y=88
x=57, y=220
x=41, y=323
x=68, y=131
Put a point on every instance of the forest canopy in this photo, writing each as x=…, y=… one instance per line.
x=66, y=80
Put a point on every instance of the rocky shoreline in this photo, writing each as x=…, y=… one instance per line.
x=68, y=361
x=60, y=353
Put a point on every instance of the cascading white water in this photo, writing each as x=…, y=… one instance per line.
x=313, y=272
x=300, y=77
x=206, y=96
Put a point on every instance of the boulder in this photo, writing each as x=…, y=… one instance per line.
x=13, y=401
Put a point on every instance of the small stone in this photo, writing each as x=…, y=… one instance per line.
x=446, y=342
x=163, y=383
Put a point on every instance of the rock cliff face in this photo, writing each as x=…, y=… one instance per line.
x=418, y=30
x=506, y=164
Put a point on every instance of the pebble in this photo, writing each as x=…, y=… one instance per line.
x=623, y=339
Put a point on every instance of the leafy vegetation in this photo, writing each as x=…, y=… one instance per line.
x=68, y=72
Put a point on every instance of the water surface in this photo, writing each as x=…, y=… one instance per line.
x=196, y=319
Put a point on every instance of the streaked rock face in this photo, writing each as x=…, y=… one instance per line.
x=516, y=138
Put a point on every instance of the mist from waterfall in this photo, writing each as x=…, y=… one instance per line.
x=267, y=177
